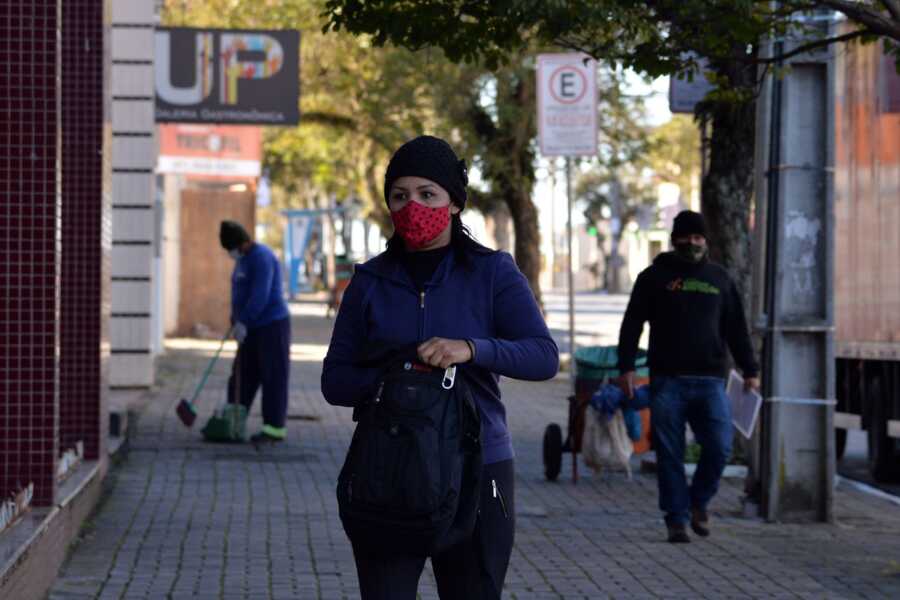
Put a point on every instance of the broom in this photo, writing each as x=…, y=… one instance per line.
x=185, y=410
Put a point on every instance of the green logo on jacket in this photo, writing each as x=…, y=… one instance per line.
x=692, y=285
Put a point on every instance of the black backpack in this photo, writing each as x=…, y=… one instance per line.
x=410, y=482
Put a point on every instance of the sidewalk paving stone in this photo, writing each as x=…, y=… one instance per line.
x=184, y=519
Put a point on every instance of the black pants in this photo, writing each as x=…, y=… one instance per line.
x=472, y=570
x=264, y=359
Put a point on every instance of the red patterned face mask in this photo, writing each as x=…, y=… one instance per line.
x=418, y=224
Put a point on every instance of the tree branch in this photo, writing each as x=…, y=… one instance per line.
x=329, y=119
x=811, y=46
x=873, y=21
x=893, y=7
x=343, y=122
x=481, y=122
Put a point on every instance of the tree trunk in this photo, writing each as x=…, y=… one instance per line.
x=727, y=190
x=614, y=264
x=378, y=211
x=528, y=239
x=726, y=198
x=602, y=262
x=500, y=227
x=508, y=162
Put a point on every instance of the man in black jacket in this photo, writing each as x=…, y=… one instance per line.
x=696, y=315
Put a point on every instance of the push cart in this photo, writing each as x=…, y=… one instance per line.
x=343, y=272
x=594, y=366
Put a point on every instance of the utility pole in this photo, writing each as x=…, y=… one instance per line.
x=571, y=272
x=794, y=309
x=552, y=169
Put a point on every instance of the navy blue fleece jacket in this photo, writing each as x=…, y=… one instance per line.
x=488, y=302
x=257, y=296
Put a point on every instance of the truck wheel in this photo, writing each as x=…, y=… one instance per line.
x=884, y=464
x=840, y=443
x=552, y=451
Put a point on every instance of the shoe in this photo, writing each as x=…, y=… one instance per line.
x=700, y=522
x=677, y=534
x=264, y=439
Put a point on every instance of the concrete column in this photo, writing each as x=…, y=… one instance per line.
x=134, y=258
x=795, y=311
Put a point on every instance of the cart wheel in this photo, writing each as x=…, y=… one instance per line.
x=552, y=451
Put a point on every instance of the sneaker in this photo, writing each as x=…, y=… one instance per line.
x=700, y=522
x=264, y=439
x=677, y=534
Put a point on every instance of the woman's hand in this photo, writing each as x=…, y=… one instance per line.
x=441, y=352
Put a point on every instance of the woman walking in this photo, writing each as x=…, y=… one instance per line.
x=453, y=302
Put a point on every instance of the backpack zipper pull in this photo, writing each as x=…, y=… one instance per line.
x=378, y=393
x=499, y=496
x=449, y=378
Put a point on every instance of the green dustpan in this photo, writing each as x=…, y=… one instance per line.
x=228, y=424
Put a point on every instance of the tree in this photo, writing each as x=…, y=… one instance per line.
x=498, y=112
x=618, y=196
x=360, y=102
x=674, y=155
x=657, y=37
x=618, y=186
x=356, y=105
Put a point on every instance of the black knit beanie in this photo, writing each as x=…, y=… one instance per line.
x=432, y=158
x=232, y=235
x=688, y=222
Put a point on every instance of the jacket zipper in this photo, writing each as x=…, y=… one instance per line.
x=422, y=316
x=499, y=496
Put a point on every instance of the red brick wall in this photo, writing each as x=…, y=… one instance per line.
x=36, y=570
x=53, y=218
x=30, y=246
x=84, y=215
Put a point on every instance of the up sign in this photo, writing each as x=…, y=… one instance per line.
x=567, y=105
x=227, y=76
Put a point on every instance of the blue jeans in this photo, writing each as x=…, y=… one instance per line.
x=701, y=402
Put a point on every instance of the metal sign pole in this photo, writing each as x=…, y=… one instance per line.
x=553, y=245
x=571, y=273
x=567, y=126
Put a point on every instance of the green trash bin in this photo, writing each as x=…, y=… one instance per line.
x=594, y=366
x=600, y=362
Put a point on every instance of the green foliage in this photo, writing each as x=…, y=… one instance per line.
x=651, y=37
x=471, y=32
x=357, y=103
x=674, y=153
x=618, y=182
x=692, y=453
x=657, y=38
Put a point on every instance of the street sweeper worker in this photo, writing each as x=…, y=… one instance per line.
x=262, y=327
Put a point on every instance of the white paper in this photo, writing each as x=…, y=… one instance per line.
x=744, y=405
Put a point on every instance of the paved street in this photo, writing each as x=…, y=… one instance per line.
x=598, y=318
x=183, y=519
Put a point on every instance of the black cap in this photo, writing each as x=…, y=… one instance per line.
x=688, y=222
x=232, y=235
x=432, y=158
